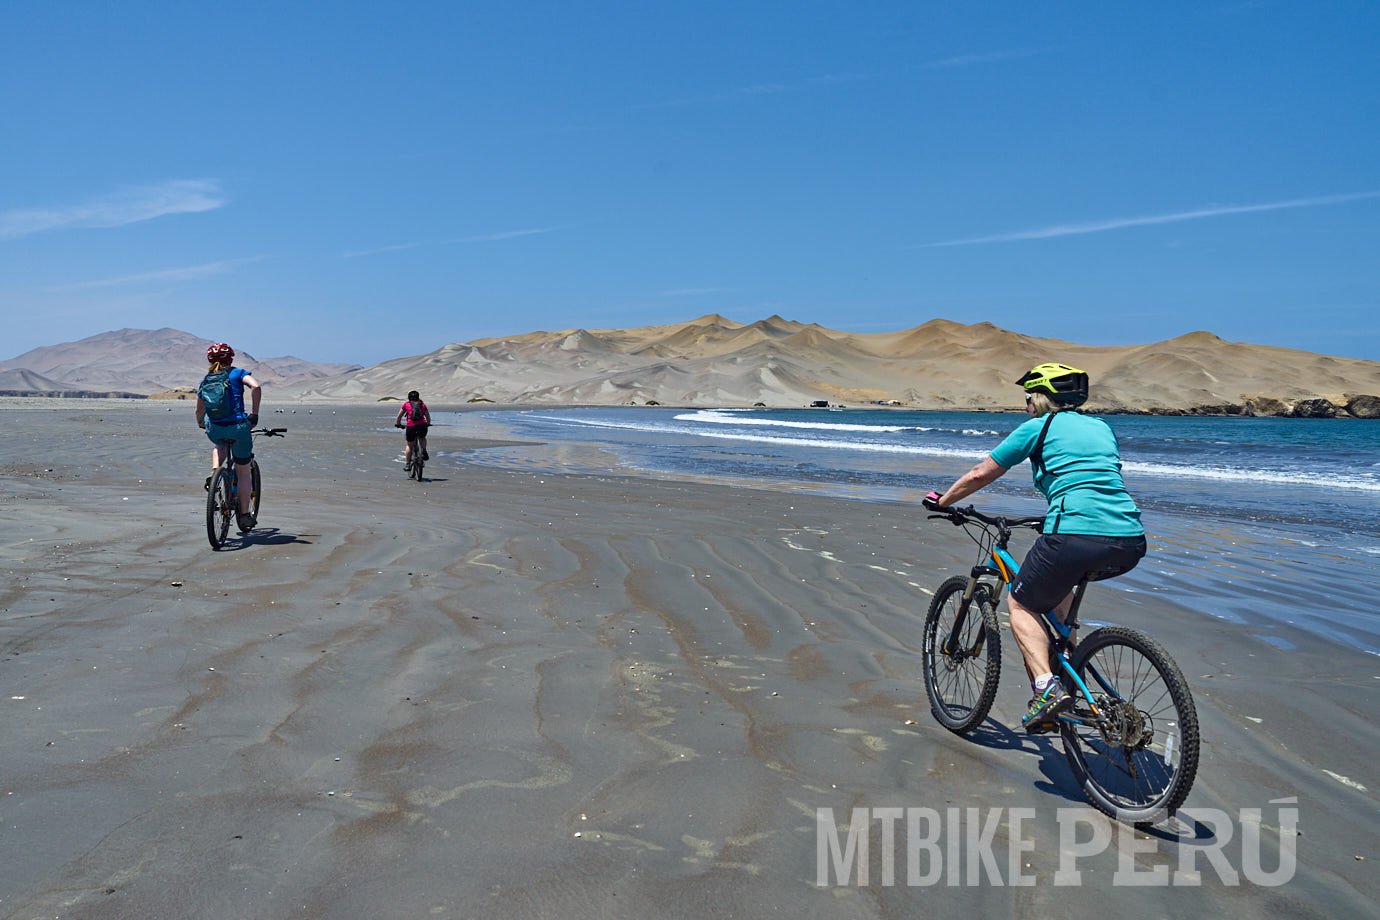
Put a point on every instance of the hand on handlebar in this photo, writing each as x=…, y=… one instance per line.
x=254, y=420
x=950, y=514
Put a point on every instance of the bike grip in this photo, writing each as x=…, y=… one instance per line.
x=931, y=501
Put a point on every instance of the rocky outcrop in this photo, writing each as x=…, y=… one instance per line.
x=1265, y=406
x=1313, y=408
x=1362, y=406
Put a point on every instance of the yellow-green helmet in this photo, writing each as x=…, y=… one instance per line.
x=1067, y=386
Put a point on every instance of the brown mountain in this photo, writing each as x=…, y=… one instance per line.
x=715, y=361
x=144, y=361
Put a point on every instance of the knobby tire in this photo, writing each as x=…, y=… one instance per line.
x=961, y=682
x=219, y=510
x=1140, y=769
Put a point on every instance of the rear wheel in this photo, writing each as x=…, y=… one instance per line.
x=962, y=655
x=417, y=463
x=220, y=509
x=1137, y=756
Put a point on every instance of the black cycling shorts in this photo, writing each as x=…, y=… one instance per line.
x=1058, y=561
x=416, y=431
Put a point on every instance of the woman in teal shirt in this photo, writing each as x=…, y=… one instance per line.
x=1092, y=527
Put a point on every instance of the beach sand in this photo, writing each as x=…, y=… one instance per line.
x=508, y=694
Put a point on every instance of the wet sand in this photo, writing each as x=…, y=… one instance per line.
x=507, y=694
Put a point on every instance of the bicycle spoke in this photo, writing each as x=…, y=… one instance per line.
x=962, y=656
x=1137, y=756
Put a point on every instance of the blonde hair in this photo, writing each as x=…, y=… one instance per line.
x=218, y=366
x=1043, y=404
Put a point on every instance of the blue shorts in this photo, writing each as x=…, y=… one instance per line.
x=237, y=433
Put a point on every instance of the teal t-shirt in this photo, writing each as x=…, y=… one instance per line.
x=1081, y=479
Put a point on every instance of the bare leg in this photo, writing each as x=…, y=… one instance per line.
x=1031, y=636
x=217, y=457
x=245, y=484
x=421, y=442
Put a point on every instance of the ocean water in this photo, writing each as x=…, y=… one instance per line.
x=1271, y=523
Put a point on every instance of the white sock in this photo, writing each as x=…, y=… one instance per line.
x=1041, y=683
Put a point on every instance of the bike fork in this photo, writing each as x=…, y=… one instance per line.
x=950, y=645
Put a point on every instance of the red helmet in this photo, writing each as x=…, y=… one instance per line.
x=220, y=353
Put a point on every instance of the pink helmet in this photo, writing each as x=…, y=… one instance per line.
x=220, y=353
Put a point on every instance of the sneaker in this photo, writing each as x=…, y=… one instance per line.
x=246, y=521
x=1043, y=714
x=207, y=487
x=425, y=456
x=407, y=466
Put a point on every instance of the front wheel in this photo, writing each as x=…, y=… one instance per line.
x=962, y=655
x=257, y=489
x=1137, y=755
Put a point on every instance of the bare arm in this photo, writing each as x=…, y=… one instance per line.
x=985, y=473
x=255, y=393
x=200, y=412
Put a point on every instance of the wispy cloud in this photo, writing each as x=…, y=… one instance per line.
x=166, y=275
x=691, y=292
x=834, y=79
x=396, y=247
x=1119, y=223
x=481, y=238
x=503, y=235
x=987, y=57
x=129, y=205
x=756, y=89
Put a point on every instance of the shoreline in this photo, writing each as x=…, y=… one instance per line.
x=516, y=694
x=1242, y=411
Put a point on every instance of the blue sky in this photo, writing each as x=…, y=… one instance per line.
x=366, y=181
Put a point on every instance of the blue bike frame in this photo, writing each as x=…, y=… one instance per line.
x=1005, y=567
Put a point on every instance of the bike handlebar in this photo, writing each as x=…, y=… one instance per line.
x=270, y=432
x=959, y=516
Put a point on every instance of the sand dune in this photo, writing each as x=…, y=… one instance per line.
x=713, y=360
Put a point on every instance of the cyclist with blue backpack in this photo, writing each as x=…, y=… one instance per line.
x=1092, y=528
x=220, y=411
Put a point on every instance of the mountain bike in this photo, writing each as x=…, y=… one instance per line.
x=222, y=492
x=1131, y=736
x=413, y=467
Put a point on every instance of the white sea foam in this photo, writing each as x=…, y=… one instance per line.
x=870, y=446
x=701, y=424
x=719, y=417
x=1229, y=474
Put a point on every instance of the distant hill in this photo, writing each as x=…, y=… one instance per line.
x=145, y=361
x=27, y=383
x=715, y=361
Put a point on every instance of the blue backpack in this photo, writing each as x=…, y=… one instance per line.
x=214, y=392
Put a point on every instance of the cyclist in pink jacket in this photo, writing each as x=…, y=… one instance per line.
x=414, y=417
